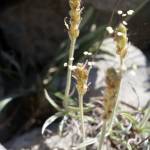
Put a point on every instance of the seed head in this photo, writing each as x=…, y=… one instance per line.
x=113, y=79
x=75, y=18
x=81, y=74
x=121, y=39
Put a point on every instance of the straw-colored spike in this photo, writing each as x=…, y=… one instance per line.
x=75, y=18
x=113, y=79
x=121, y=40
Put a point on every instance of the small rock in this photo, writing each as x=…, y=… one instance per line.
x=135, y=83
x=2, y=147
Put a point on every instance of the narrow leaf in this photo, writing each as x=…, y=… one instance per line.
x=51, y=119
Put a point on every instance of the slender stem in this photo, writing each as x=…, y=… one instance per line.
x=113, y=115
x=102, y=136
x=145, y=119
x=116, y=104
x=82, y=119
x=70, y=62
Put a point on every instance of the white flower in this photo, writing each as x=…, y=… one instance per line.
x=125, y=23
x=119, y=12
x=130, y=12
x=124, y=15
x=72, y=67
x=110, y=30
x=87, y=53
x=65, y=64
x=119, y=33
x=71, y=58
x=91, y=63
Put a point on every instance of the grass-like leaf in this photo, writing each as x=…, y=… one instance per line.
x=51, y=119
x=85, y=143
x=51, y=101
x=4, y=102
x=129, y=117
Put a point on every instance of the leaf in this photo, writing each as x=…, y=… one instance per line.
x=62, y=96
x=85, y=143
x=4, y=102
x=77, y=109
x=89, y=118
x=129, y=146
x=51, y=119
x=62, y=123
x=145, y=130
x=51, y=101
x=129, y=117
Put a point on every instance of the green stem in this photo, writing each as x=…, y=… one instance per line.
x=145, y=119
x=70, y=62
x=82, y=119
x=102, y=136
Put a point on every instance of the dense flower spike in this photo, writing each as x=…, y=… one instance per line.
x=81, y=76
x=73, y=31
x=81, y=73
x=121, y=39
x=113, y=79
x=75, y=18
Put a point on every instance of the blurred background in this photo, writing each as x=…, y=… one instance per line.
x=33, y=49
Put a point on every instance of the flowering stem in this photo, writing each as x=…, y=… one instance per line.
x=69, y=72
x=115, y=107
x=113, y=115
x=102, y=136
x=82, y=118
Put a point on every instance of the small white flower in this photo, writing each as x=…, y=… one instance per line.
x=85, y=53
x=119, y=33
x=89, y=53
x=93, y=28
x=65, y=64
x=72, y=67
x=71, y=58
x=124, y=15
x=91, y=63
x=110, y=30
x=130, y=12
x=119, y=12
x=125, y=23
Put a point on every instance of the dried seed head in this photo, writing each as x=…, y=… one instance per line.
x=113, y=79
x=81, y=75
x=75, y=18
x=121, y=39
